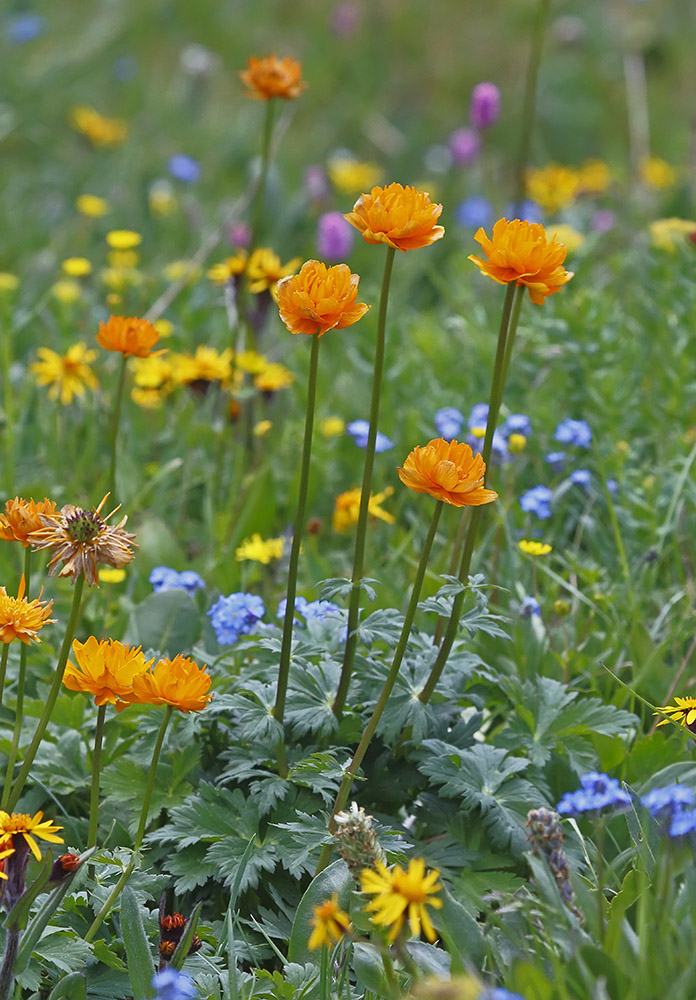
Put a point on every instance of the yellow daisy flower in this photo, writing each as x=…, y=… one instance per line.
x=257, y=549
x=330, y=923
x=400, y=895
x=68, y=375
x=534, y=548
x=29, y=827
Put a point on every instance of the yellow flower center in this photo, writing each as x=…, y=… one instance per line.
x=16, y=823
x=409, y=886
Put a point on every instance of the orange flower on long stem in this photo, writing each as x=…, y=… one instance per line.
x=521, y=252
x=402, y=217
x=448, y=471
x=131, y=336
x=21, y=517
x=320, y=298
x=269, y=76
x=105, y=668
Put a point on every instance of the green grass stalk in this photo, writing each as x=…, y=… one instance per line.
x=361, y=532
x=96, y=766
x=21, y=680
x=115, y=420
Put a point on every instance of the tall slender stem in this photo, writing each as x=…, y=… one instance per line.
x=115, y=419
x=505, y=334
x=96, y=766
x=21, y=678
x=263, y=173
x=359, y=557
x=128, y=871
x=529, y=105
x=499, y=368
x=3, y=668
x=8, y=397
x=286, y=646
x=52, y=696
x=399, y=652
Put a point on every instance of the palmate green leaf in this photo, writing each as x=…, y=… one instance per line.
x=549, y=717
x=311, y=694
x=321, y=772
x=252, y=707
x=384, y=625
x=63, y=949
x=233, y=863
x=486, y=779
x=341, y=586
x=212, y=813
x=300, y=841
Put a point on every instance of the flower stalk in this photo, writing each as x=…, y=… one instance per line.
x=96, y=766
x=529, y=104
x=260, y=191
x=52, y=696
x=505, y=333
x=115, y=420
x=21, y=680
x=346, y=783
x=286, y=645
x=361, y=532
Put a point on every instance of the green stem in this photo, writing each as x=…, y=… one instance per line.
x=529, y=105
x=96, y=765
x=8, y=404
x=505, y=332
x=263, y=174
x=128, y=871
x=52, y=695
x=399, y=652
x=115, y=419
x=286, y=646
x=3, y=668
x=359, y=557
x=498, y=373
x=8, y=963
x=21, y=678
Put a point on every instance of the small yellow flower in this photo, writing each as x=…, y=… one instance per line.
x=123, y=239
x=332, y=426
x=668, y=234
x=264, y=270
x=516, y=443
x=164, y=327
x=683, y=711
x=29, y=827
x=8, y=282
x=229, y=268
x=657, y=173
x=206, y=365
x=91, y=205
x=77, y=267
x=330, y=923
x=257, y=549
x=398, y=892
x=68, y=375
x=119, y=278
x=273, y=378
x=100, y=131
x=181, y=270
x=251, y=362
x=594, y=177
x=125, y=259
x=152, y=372
x=351, y=177
x=571, y=239
x=553, y=187
x=347, y=508
x=262, y=428
x=534, y=548
x=21, y=618
x=147, y=399
x=109, y=575
x=66, y=291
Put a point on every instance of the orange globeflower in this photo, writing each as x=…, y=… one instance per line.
x=180, y=683
x=269, y=76
x=320, y=298
x=402, y=217
x=521, y=252
x=131, y=336
x=448, y=471
x=105, y=668
x=21, y=619
x=22, y=517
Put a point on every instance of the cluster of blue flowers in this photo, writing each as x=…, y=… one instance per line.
x=359, y=430
x=449, y=422
x=310, y=610
x=164, y=578
x=476, y=212
x=673, y=806
x=235, y=615
x=173, y=985
x=597, y=792
x=537, y=501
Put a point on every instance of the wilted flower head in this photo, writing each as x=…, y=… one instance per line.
x=485, y=105
x=356, y=839
x=320, y=298
x=268, y=76
x=131, y=336
x=81, y=539
x=597, y=792
x=21, y=517
x=20, y=618
x=402, y=217
x=520, y=252
x=448, y=471
x=334, y=236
